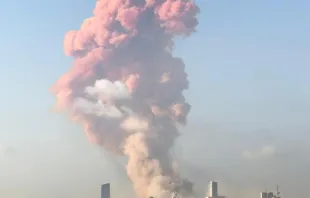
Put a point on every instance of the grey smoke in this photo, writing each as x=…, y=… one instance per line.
x=264, y=152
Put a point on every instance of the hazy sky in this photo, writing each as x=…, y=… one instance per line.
x=248, y=66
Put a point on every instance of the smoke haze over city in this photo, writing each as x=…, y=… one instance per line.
x=247, y=65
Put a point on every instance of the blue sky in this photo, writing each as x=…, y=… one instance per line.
x=248, y=66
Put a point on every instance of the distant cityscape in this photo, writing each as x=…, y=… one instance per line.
x=212, y=192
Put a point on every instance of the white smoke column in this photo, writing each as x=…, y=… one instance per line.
x=107, y=89
x=100, y=99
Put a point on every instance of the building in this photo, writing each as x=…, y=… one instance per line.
x=263, y=195
x=213, y=190
x=105, y=190
x=266, y=195
x=270, y=195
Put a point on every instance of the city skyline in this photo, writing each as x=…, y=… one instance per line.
x=248, y=66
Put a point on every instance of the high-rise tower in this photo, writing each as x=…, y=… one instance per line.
x=105, y=190
x=213, y=190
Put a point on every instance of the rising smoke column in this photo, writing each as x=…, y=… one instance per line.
x=125, y=86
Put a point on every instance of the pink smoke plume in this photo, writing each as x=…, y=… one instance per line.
x=125, y=86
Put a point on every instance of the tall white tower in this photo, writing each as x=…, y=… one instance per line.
x=213, y=190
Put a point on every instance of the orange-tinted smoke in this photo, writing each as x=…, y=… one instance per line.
x=122, y=33
x=130, y=41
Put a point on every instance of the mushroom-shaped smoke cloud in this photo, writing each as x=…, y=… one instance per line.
x=125, y=86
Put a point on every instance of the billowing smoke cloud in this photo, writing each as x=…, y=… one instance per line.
x=102, y=99
x=125, y=86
